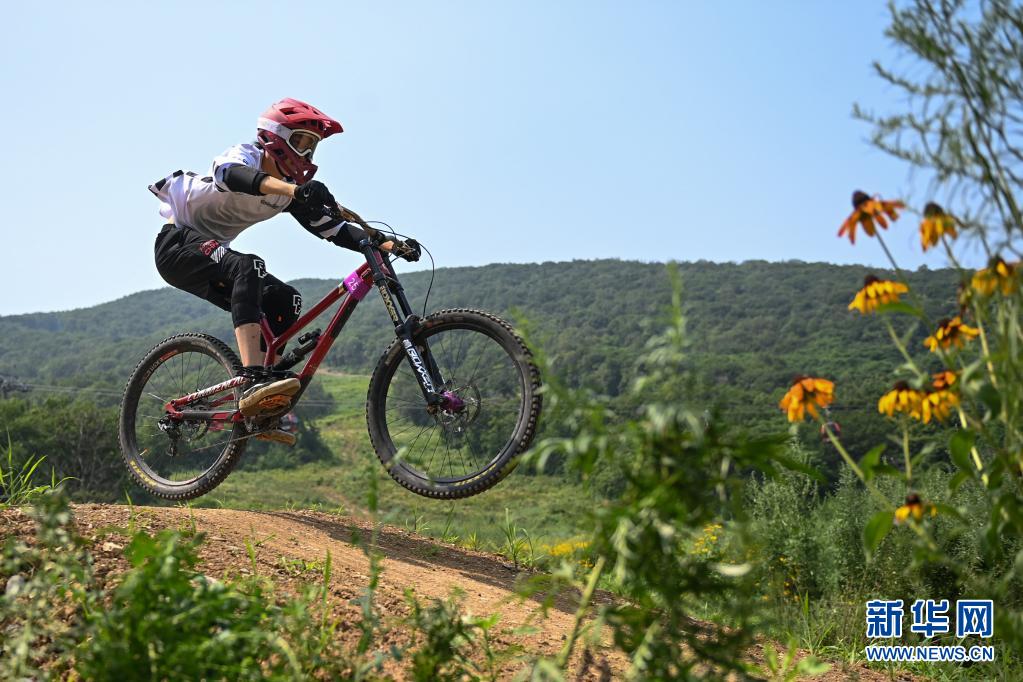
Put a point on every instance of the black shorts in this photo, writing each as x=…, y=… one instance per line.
x=233, y=281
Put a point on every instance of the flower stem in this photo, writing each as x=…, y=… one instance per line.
x=852, y=465
x=976, y=313
x=885, y=504
x=905, y=452
x=580, y=613
x=984, y=346
x=987, y=361
x=902, y=348
x=973, y=451
x=905, y=280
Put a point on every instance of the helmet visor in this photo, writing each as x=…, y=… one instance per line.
x=303, y=142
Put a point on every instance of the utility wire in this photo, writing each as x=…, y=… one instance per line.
x=739, y=405
x=72, y=389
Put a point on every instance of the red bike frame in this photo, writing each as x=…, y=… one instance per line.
x=350, y=291
x=376, y=271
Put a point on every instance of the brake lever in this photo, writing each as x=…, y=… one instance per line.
x=406, y=250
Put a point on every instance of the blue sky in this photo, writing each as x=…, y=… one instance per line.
x=511, y=132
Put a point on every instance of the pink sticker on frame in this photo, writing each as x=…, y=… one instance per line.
x=356, y=285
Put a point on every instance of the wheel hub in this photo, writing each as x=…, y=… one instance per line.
x=452, y=403
x=460, y=408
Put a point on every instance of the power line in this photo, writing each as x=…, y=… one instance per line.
x=110, y=392
x=747, y=407
x=72, y=389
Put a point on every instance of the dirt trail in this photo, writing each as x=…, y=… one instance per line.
x=290, y=548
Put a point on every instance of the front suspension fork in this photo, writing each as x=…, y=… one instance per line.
x=406, y=324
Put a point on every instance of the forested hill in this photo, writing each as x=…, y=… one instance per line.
x=753, y=325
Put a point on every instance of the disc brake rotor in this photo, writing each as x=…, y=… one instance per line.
x=189, y=430
x=455, y=422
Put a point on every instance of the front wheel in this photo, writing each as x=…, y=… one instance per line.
x=456, y=453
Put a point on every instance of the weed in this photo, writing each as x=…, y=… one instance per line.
x=298, y=567
x=16, y=485
x=447, y=535
x=472, y=541
x=449, y=639
x=39, y=577
x=513, y=542
x=781, y=666
x=416, y=524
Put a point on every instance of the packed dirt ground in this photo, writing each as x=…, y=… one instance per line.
x=290, y=548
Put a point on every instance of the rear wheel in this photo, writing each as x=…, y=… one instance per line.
x=494, y=386
x=180, y=459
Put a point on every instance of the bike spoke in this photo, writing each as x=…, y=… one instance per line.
x=461, y=444
x=412, y=446
x=429, y=439
x=182, y=450
x=407, y=428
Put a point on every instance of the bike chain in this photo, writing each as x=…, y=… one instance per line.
x=230, y=441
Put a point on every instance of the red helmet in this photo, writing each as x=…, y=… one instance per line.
x=289, y=131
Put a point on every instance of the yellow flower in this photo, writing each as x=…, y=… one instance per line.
x=705, y=544
x=876, y=292
x=806, y=395
x=935, y=224
x=937, y=404
x=920, y=405
x=997, y=275
x=566, y=548
x=951, y=332
x=914, y=507
x=944, y=380
x=902, y=398
x=870, y=212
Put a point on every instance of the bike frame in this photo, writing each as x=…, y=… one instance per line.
x=375, y=272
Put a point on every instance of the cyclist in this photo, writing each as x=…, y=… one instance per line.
x=247, y=184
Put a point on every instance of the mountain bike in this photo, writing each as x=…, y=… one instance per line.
x=452, y=401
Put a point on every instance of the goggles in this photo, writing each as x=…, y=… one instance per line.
x=302, y=142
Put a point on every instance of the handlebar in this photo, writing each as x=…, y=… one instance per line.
x=408, y=249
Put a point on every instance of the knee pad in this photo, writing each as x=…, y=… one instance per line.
x=282, y=305
x=247, y=293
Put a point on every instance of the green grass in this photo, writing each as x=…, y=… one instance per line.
x=349, y=394
x=550, y=508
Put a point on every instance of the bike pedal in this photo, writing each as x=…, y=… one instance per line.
x=267, y=407
x=274, y=397
x=274, y=401
x=278, y=436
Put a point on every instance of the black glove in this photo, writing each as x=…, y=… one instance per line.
x=408, y=249
x=315, y=194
